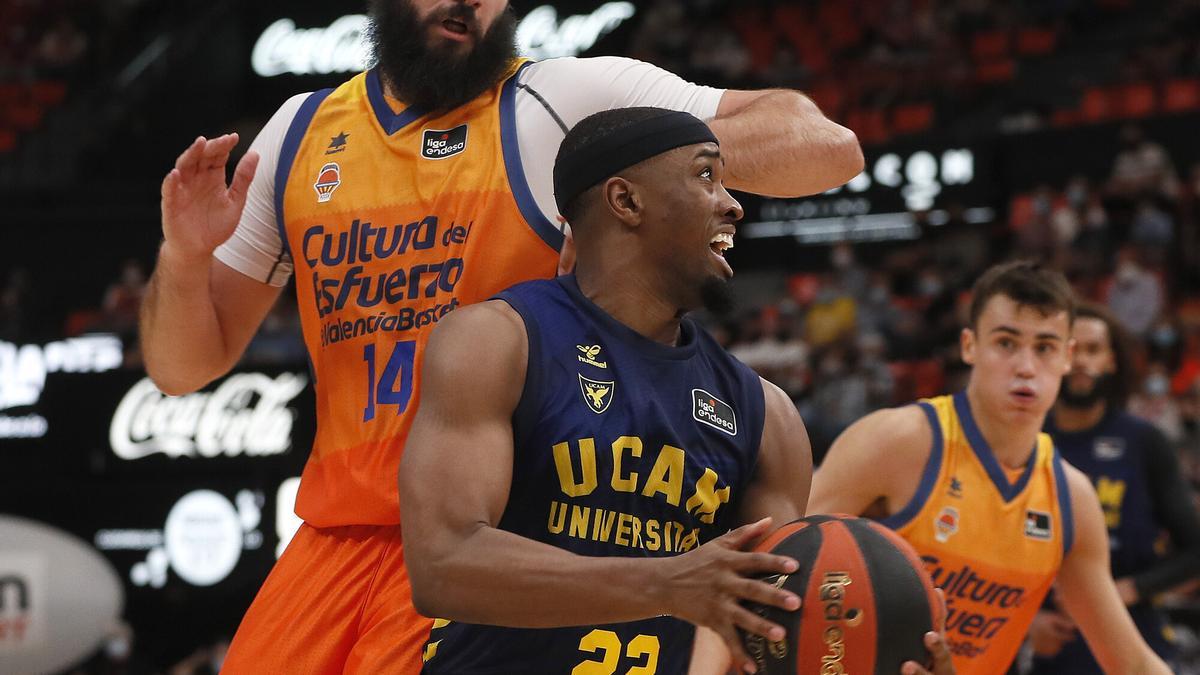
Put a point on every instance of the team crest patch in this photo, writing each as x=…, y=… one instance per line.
x=328, y=179
x=946, y=524
x=710, y=410
x=1037, y=524
x=596, y=394
x=443, y=143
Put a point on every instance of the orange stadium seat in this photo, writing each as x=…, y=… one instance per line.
x=912, y=118
x=1181, y=95
x=48, y=92
x=992, y=72
x=8, y=140
x=1134, y=100
x=990, y=45
x=1096, y=105
x=870, y=125
x=1036, y=41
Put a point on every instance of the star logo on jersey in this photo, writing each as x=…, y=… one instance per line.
x=596, y=394
x=589, y=354
x=337, y=143
x=1108, y=448
x=956, y=489
x=1037, y=525
x=946, y=524
x=328, y=179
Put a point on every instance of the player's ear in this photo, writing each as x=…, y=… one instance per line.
x=966, y=344
x=623, y=200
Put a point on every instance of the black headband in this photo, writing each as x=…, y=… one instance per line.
x=588, y=165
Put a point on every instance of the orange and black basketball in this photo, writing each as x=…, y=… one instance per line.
x=867, y=600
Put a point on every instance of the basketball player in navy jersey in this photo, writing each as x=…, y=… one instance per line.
x=1140, y=486
x=583, y=449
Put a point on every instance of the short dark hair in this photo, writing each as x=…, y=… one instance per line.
x=1029, y=284
x=587, y=131
x=1122, y=346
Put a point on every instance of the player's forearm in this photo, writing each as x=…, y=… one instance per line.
x=1177, y=569
x=181, y=339
x=499, y=578
x=781, y=145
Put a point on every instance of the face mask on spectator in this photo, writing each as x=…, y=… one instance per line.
x=1164, y=337
x=1157, y=385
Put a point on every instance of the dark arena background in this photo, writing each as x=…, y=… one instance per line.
x=1065, y=130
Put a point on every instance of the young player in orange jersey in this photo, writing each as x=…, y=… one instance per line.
x=972, y=483
x=414, y=188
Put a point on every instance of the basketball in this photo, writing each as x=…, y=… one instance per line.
x=867, y=601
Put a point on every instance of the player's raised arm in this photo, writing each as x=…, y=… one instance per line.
x=199, y=315
x=877, y=457
x=777, y=142
x=1087, y=591
x=455, y=478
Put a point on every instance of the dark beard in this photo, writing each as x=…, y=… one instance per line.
x=716, y=295
x=434, y=78
x=1101, y=390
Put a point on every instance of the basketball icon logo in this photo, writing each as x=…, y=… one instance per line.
x=328, y=179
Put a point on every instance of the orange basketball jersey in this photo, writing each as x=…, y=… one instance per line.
x=992, y=539
x=393, y=219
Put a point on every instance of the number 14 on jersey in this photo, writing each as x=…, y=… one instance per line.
x=386, y=390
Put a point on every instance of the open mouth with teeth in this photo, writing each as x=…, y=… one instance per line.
x=721, y=243
x=455, y=26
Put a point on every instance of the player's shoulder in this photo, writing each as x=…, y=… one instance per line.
x=490, y=330
x=901, y=434
x=574, y=71
x=906, y=424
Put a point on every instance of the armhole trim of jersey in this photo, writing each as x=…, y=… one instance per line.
x=525, y=415
x=547, y=231
x=287, y=154
x=929, y=476
x=1064, y=503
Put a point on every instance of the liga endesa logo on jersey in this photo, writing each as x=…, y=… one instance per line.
x=443, y=143
x=710, y=410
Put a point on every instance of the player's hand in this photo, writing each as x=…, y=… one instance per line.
x=199, y=211
x=942, y=663
x=935, y=642
x=706, y=586
x=1049, y=632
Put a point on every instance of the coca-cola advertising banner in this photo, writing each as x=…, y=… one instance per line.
x=117, y=422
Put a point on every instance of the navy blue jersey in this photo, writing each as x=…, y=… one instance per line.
x=1115, y=454
x=622, y=447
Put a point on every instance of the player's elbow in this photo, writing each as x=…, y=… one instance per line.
x=430, y=590
x=173, y=383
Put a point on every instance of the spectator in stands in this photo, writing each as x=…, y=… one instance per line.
x=1155, y=404
x=1136, y=295
x=123, y=299
x=61, y=47
x=832, y=314
x=1142, y=167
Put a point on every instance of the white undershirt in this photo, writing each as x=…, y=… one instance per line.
x=573, y=88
